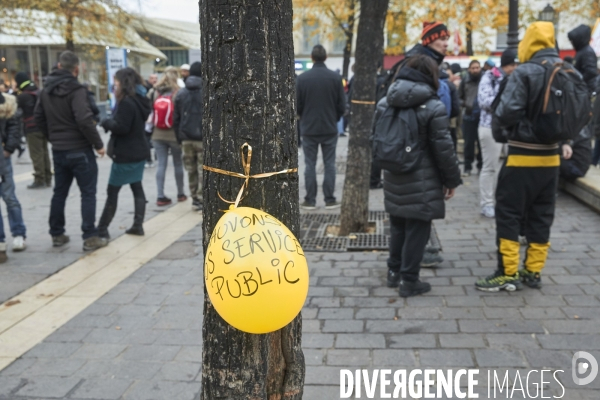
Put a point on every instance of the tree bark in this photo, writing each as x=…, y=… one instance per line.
x=369, y=45
x=69, y=36
x=249, y=96
x=469, y=40
x=349, y=32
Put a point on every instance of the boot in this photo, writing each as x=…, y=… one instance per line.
x=110, y=208
x=138, y=217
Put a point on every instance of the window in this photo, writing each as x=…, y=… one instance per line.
x=310, y=35
x=339, y=41
x=502, y=38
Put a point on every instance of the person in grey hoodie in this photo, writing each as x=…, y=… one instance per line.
x=416, y=198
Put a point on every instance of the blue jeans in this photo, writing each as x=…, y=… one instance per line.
x=81, y=166
x=161, y=147
x=13, y=207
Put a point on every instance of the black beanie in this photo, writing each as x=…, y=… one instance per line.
x=509, y=56
x=196, y=69
x=21, y=77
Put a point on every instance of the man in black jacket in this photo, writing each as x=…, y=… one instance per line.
x=467, y=93
x=36, y=140
x=585, y=59
x=321, y=103
x=63, y=114
x=187, y=123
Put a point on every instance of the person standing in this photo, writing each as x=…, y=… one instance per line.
x=585, y=58
x=64, y=115
x=163, y=136
x=184, y=72
x=467, y=92
x=10, y=132
x=128, y=149
x=490, y=149
x=36, y=140
x=528, y=180
x=187, y=122
x=321, y=102
x=151, y=81
x=416, y=198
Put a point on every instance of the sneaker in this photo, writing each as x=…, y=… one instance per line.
x=531, y=279
x=332, y=205
x=149, y=165
x=163, y=201
x=488, y=211
x=36, y=185
x=19, y=243
x=393, y=278
x=343, y=134
x=307, y=206
x=431, y=259
x=409, y=289
x=94, y=243
x=498, y=281
x=60, y=240
x=466, y=173
x=181, y=197
x=196, y=205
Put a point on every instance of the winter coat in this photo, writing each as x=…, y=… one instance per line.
x=26, y=101
x=467, y=93
x=585, y=59
x=526, y=84
x=93, y=105
x=64, y=115
x=10, y=127
x=419, y=194
x=321, y=101
x=187, y=118
x=128, y=141
x=488, y=89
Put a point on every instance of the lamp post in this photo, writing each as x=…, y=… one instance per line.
x=548, y=14
x=513, y=24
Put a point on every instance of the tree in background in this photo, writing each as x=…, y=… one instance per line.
x=369, y=48
x=98, y=19
x=333, y=16
x=249, y=96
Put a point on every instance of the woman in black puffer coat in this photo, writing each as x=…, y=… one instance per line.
x=414, y=199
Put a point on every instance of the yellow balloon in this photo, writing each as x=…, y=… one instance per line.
x=255, y=271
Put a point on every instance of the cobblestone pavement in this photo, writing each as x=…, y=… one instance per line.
x=142, y=340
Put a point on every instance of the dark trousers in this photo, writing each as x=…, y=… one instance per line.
x=596, y=153
x=81, y=166
x=40, y=157
x=375, y=178
x=408, y=238
x=310, y=146
x=471, y=138
x=525, y=200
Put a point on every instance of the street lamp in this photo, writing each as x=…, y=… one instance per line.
x=548, y=14
x=513, y=24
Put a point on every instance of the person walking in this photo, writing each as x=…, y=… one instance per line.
x=527, y=184
x=128, y=149
x=490, y=149
x=415, y=199
x=163, y=136
x=36, y=140
x=187, y=122
x=64, y=115
x=321, y=102
x=10, y=132
x=467, y=92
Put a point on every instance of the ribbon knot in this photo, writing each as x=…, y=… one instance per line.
x=246, y=162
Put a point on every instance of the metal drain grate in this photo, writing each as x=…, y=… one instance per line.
x=378, y=216
x=363, y=241
x=330, y=219
x=328, y=244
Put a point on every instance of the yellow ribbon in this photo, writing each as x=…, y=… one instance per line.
x=363, y=102
x=246, y=161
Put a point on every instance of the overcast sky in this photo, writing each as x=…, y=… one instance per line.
x=182, y=10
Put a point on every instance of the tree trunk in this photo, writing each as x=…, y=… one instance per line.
x=369, y=44
x=349, y=32
x=69, y=37
x=469, y=40
x=249, y=96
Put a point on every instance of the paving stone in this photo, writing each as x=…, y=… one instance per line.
x=106, y=335
x=542, y=313
x=319, y=341
x=52, y=350
x=334, y=325
x=570, y=342
x=9, y=384
x=151, y=352
x=98, y=351
x=62, y=367
x=461, y=340
x=321, y=375
x=314, y=356
x=122, y=369
x=499, y=358
x=446, y=358
x=412, y=341
x=178, y=371
x=68, y=334
x=321, y=391
x=412, y=326
x=359, y=340
x=548, y=358
x=513, y=341
x=17, y=367
x=349, y=358
x=337, y=281
x=190, y=353
x=164, y=390
x=375, y=313
x=48, y=386
x=572, y=326
x=336, y=313
x=102, y=389
x=497, y=326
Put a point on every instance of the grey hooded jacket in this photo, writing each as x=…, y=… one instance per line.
x=419, y=194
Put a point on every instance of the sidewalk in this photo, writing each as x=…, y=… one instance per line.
x=142, y=340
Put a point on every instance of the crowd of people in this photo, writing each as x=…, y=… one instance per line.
x=519, y=130
x=161, y=114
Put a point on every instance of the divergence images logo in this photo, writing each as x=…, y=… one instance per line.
x=582, y=363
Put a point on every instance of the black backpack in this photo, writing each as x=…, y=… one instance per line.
x=565, y=107
x=396, y=146
x=497, y=132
